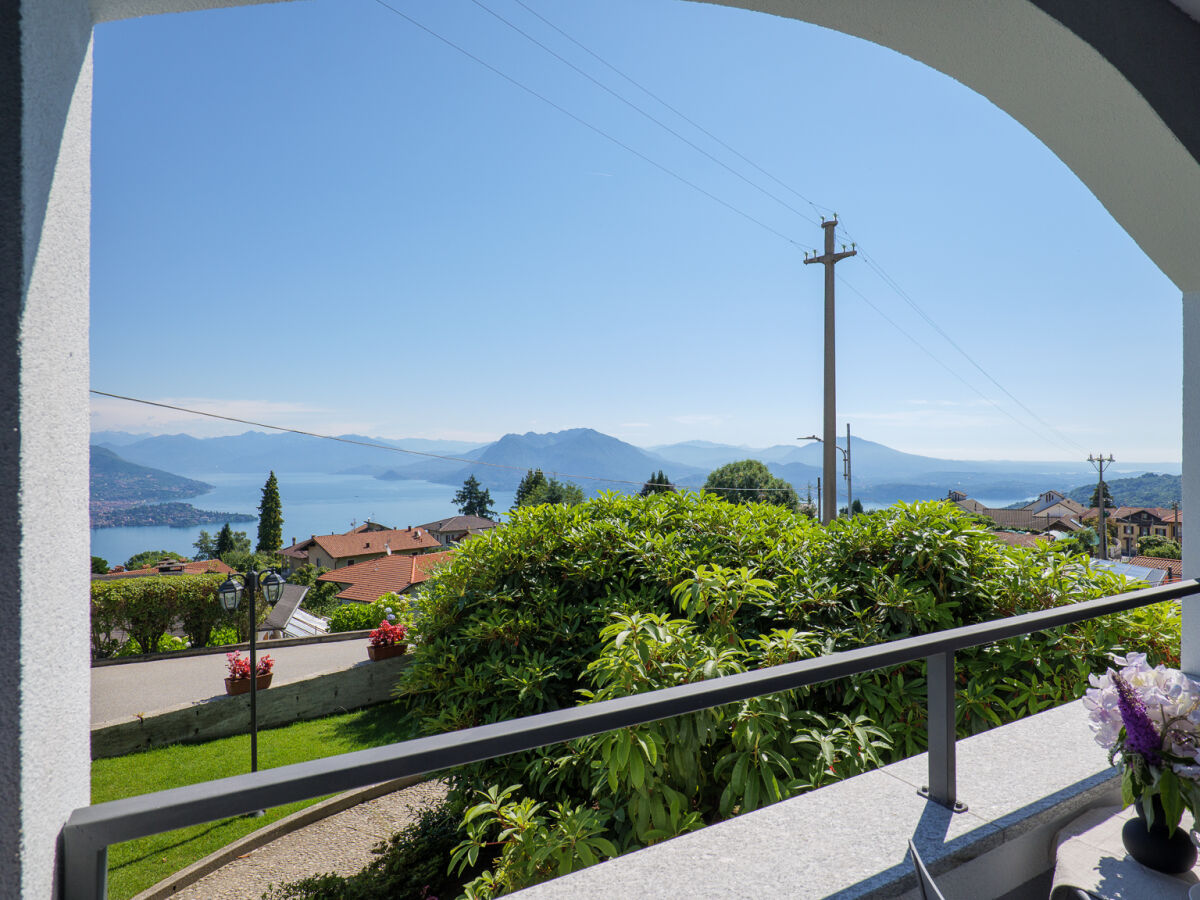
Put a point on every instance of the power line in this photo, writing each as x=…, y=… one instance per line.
x=392, y=449
x=604, y=134
x=942, y=363
x=876, y=267
x=871, y=262
x=638, y=109
x=818, y=208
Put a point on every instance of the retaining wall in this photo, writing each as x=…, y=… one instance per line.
x=323, y=695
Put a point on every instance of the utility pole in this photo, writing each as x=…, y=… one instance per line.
x=849, y=495
x=1098, y=462
x=829, y=459
x=819, y=506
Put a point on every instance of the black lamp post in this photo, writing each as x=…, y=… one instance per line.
x=231, y=594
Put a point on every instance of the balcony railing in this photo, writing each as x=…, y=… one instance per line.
x=90, y=830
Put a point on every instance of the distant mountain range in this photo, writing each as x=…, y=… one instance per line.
x=880, y=474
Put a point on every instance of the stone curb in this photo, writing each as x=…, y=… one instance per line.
x=297, y=820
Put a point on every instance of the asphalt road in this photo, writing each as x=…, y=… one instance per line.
x=140, y=688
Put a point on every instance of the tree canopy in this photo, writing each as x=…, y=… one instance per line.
x=270, y=518
x=150, y=557
x=230, y=541
x=563, y=493
x=658, y=483
x=473, y=500
x=1159, y=547
x=1101, y=488
x=749, y=481
x=532, y=480
x=205, y=546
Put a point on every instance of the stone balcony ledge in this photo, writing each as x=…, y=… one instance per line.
x=1021, y=782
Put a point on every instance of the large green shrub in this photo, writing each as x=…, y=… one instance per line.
x=620, y=595
x=146, y=608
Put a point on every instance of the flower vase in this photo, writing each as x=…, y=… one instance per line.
x=235, y=686
x=1154, y=847
x=385, y=651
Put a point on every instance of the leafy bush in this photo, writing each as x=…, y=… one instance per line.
x=361, y=616
x=621, y=595
x=150, y=557
x=147, y=608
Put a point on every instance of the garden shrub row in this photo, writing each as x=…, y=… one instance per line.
x=620, y=595
x=148, y=609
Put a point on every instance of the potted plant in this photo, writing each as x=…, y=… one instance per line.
x=1149, y=720
x=238, y=680
x=387, y=641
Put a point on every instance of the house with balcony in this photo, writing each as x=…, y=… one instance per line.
x=1109, y=88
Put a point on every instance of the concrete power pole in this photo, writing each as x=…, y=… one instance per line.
x=849, y=493
x=829, y=458
x=1099, y=462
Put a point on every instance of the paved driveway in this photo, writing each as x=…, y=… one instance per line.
x=121, y=691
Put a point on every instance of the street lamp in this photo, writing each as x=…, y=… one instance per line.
x=845, y=469
x=231, y=595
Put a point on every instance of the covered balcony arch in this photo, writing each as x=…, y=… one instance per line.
x=1110, y=88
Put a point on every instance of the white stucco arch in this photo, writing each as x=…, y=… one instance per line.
x=1124, y=135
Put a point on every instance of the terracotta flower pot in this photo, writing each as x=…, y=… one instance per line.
x=386, y=651
x=235, y=686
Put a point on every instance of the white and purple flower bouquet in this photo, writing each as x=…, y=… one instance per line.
x=1149, y=721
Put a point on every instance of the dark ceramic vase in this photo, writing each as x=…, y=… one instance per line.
x=1154, y=847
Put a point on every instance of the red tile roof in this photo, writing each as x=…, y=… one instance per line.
x=367, y=581
x=408, y=540
x=1174, y=566
x=198, y=567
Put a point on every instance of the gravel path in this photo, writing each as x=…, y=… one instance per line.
x=341, y=843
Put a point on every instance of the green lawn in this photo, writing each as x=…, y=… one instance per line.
x=136, y=865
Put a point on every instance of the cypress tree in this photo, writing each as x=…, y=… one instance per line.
x=225, y=542
x=270, y=518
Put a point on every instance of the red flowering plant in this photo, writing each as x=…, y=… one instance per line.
x=387, y=634
x=240, y=668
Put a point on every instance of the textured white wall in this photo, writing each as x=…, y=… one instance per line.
x=52, y=367
x=1191, y=475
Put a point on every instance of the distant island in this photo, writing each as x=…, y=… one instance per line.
x=176, y=515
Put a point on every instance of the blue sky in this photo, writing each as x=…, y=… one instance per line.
x=317, y=215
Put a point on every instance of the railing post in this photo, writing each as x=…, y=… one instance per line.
x=84, y=866
x=939, y=680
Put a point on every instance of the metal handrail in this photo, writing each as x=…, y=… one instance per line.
x=89, y=830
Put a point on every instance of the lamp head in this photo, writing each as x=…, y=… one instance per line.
x=230, y=593
x=272, y=587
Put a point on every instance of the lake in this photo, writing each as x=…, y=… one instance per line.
x=313, y=503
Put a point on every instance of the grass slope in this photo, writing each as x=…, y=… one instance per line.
x=135, y=865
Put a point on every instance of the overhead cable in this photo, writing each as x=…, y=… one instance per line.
x=604, y=134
